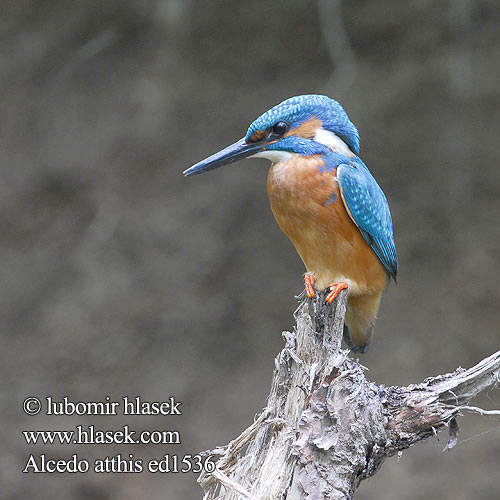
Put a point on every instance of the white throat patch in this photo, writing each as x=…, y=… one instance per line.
x=333, y=142
x=274, y=156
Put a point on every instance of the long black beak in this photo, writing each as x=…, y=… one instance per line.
x=240, y=149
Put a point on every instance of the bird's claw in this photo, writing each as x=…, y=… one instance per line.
x=309, y=282
x=335, y=288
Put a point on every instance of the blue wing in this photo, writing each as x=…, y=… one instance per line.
x=368, y=208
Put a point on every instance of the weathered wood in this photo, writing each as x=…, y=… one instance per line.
x=325, y=427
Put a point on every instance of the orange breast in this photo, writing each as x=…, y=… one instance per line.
x=307, y=205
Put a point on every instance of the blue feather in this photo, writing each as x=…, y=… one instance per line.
x=299, y=109
x=299, y=145
x=368, y=207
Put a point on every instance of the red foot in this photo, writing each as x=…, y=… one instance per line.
x=309, y=281
x=335, y=289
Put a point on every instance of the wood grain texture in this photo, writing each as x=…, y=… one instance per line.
x=326, y=427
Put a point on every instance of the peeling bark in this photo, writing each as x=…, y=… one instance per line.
x=325, y=427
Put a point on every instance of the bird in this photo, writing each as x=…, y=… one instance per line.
x=326, y=201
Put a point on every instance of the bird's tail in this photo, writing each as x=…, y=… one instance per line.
x=360, y=319
x=360, y=342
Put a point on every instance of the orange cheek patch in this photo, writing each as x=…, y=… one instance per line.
x=307, y=129
x=257, y=136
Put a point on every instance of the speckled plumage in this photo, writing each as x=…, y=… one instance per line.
x=301, y=108
x=368, y=207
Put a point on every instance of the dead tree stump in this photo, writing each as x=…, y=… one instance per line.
x=325, y=427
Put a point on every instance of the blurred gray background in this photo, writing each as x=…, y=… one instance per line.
x=122, y=277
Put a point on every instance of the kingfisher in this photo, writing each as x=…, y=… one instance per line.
x=326, y=201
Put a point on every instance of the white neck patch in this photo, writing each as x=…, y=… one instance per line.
x=333, y=142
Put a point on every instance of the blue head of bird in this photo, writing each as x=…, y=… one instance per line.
x=305, y=125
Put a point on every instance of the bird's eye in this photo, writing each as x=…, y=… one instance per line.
x=279, y=128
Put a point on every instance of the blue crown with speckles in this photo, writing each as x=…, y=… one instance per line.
x=299, y=109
